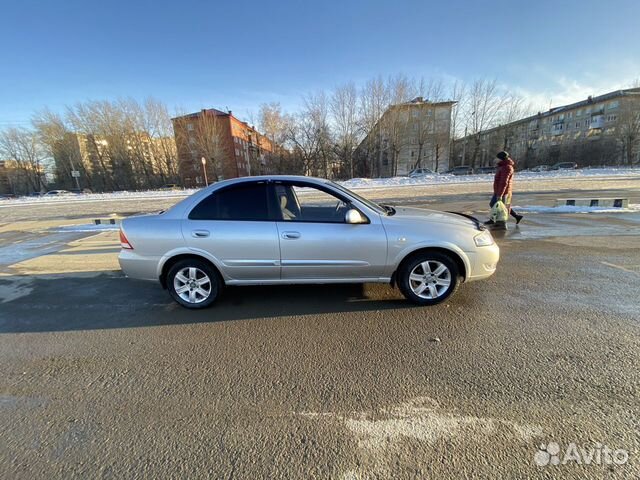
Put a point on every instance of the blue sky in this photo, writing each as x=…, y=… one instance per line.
x=238, y=54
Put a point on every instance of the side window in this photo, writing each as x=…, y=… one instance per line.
x=239, y=202
x=303, y=203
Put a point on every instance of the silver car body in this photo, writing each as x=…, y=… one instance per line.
x=281, y=252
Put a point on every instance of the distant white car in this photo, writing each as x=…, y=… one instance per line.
x=540, y=168
x=58, y=192
x=421, y=172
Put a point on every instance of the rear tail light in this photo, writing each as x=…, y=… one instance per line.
x=124, y=243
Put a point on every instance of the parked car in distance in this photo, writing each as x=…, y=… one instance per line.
x=171, y=186
x=80, y=191
x=58, y=192
x=461, y=170
x=421, y=172
x=540, y=168
x=293, y=230
x=565, y=166
x=485, y=170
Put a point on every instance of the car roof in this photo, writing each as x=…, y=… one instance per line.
x=257, y=178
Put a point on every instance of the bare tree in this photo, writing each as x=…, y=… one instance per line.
x=205, y=138
x=311, y=136
x=163, y=147
x=484, y=106
x=307, y=136
x=457, y=94
x=344, y=111
x=432, y=90
x=23, y=147
x=61, y=144
x=374, y=100
x=395, y=120
x=89, y=119
x=628, y=131
x=277, y=127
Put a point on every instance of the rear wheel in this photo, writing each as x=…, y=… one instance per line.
x=193, y=283
x=428, y=278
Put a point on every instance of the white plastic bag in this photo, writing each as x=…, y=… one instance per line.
x=499, y=212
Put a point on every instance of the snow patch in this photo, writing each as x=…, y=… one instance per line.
x=435, y=179
x=382, y=434
x=575, y=209
x=88, y=228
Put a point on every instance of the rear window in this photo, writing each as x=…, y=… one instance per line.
x=239, y=202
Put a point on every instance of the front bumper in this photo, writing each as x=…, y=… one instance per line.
x=483, y=262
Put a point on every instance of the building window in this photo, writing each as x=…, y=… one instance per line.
x=190, y=127
x=614, y=104
x=578, y=112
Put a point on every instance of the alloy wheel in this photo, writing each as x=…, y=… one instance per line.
x=430, y=279
x=192, y=285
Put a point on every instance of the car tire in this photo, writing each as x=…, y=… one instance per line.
x=193, y=283
x=428, y=278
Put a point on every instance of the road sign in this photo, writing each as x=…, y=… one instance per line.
x=75, y=173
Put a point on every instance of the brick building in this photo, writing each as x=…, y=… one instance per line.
x=601, y=130
x=231, y=148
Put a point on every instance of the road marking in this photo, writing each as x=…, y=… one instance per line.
x=620, y=267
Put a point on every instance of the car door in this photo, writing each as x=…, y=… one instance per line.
x=317, y=243
x=236, y=226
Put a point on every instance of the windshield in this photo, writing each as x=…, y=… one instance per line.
x=372, y=205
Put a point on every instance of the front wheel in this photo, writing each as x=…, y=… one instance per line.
x=193, y=283
x=428, y=278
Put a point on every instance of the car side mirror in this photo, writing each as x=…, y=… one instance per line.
x=354, y=216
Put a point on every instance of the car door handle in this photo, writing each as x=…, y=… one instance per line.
x=200, y=233
x=290, y=235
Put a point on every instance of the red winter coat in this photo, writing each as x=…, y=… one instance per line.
x=503, y=181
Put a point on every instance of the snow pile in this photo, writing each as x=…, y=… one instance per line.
x=98, y=197
x=88, y=228
x=526, y=175
x=435, y=179
x=576, y=209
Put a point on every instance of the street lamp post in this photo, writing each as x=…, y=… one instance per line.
x=204, y=169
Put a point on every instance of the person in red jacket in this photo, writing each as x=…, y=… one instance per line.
x=503, y=185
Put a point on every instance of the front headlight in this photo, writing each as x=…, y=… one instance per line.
x=483, y=239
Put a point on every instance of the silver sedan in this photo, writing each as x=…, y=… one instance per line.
x=292, y=230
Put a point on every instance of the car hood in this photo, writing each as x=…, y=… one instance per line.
x=410, y=214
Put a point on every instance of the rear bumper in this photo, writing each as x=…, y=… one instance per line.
x=138, y=266
x=483, y=262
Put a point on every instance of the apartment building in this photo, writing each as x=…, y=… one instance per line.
x=601, y=130
x=135, y=160
x=230, y=147
x=414, y=134
x=5, y=178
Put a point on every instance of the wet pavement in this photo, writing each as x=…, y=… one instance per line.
x=105, y=377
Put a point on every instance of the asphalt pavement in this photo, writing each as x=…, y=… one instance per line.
x=105, y=377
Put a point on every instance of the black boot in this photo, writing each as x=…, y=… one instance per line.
x=490, y=222
x=517, y=217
